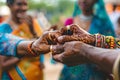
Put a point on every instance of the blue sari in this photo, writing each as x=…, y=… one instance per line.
x=8, y=47
x=8, y=42
x=100, y=24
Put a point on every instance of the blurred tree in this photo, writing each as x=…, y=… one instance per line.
x=63, y=7
x=53, y=9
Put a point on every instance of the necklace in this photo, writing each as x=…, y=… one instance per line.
x=85, y=18
x=84, y=21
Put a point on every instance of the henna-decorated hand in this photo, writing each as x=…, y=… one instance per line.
x=75, y=33
x=53, y=27
x=42, y=45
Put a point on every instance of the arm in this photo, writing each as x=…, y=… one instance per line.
x=75, y=53
x=104, y=58
x=78, y=34
x=11, y=45
x=8, y=62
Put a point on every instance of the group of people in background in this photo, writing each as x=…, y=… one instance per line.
x=22, y=25
x=90, y=15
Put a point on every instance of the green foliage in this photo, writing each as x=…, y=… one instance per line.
x=1, y=3
x=64, y=7
x=54, y=11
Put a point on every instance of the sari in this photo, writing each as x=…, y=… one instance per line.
x=27, y=68
x=100, y=24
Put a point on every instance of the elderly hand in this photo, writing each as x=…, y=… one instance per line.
x=75, y=33
x=42, y=45
x=73, y=53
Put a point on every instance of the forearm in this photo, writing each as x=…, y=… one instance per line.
x=29, y=48
x=104, y=58
x=11, y=62
x=22, y=48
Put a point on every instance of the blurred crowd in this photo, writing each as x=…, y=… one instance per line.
x=93, y=16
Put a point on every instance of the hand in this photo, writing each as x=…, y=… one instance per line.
x=26, y=19
x=73, y=53
x=42, y=45
x=75, y=33
x=53, y=27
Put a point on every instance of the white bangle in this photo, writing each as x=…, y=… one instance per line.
x=51, y=48
x=116, y=68
x=49, y=36
x=68, y=27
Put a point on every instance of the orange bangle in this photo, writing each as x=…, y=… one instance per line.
x=30, y=50
x=112, y=44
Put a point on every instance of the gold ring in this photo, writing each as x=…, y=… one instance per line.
x=68, y=27
x=49, y=36
x=51, y=48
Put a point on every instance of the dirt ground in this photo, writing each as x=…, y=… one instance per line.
x=51, y=71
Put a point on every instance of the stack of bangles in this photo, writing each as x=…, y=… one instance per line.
x=30, y=51
x=106, y=41
x=103, y=41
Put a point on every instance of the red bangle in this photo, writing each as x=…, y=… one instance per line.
x=30, y=51
x=99, y=40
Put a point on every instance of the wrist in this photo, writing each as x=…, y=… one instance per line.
x=40, y=48
x=90, y=53
x=93, y=40
x=22, y=47
x=85, y=53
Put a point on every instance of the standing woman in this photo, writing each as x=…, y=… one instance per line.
x=24, y=26
x=92, y=17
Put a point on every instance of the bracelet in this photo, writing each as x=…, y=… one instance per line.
x=51, y=48
x=107, y=42
x=117, y=42
x=99, y=40
x=110, y=42
x=68, y=27
x=104, y=42
x=30, y=50
x=49, y=36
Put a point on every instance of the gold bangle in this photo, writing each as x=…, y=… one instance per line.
x=51, y=48
x=95, y=40
x=49, y=36
x=116, y=68
x=68, y=27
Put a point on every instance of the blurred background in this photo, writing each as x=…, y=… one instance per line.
x=55, y=11
x=51, y=9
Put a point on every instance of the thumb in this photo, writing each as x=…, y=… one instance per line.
x=59, y=57
x=67, y=38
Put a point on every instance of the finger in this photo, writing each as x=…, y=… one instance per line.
x=77, y=28
x=52, y=37
x=72, y=64
x=57, y=49
x=63, y=30
x=27, y=19
x=70, y=29
x=67, y=38
x=59, y=57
